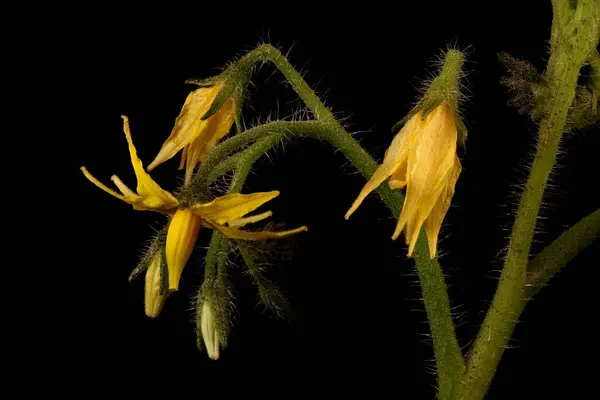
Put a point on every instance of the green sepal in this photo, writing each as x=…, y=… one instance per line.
x=164, y=273
x=443, y=88
x=271, y=294
x=225, y=93
x=398, y=125
x=235, y=79
x=239, y=96
x=204, y=82
x=462, y=135
x=428, y=106
x=156, y=245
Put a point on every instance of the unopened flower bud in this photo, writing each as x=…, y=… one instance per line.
x=153, y=299
x=209, y=331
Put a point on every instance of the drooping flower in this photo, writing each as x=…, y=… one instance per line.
x=192, y=134
x=225, y=214
x=423, y=158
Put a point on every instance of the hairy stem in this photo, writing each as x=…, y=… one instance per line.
x=212, y=257
x=570, y=47
x=437, y=304
x=220, y=152
x=562, y=250
x=248, y=159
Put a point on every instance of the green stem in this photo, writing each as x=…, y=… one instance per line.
x=568, y=54
x=449, y=359
x=212, y=257
x=561, y=251
x=250, y=156
x=448, y=355
x=502, y=317
x=210, y=275
x=222, y=168
x=243, y=159
x=308, y=96
x=437, y=304
x=189, y=193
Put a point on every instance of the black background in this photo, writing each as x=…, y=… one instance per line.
x=358, y=325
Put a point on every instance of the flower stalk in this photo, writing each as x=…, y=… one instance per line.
x=448, y=355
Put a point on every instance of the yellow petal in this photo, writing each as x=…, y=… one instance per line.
x=434, y=221
x=155, y=196
x=395, y=158
x=415, y=221
x=153, y=299
x=188, y=124
x=223, y=122
x=430, y=160
x=398, y=179
x=181, y=237
x=102, y=186
x=138, y=203
x=232, y=206
x=240, y=222
x=233, y=233
x=217, y=126
x=418, y=203
x=183, y=157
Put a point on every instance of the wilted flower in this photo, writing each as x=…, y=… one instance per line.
x=192, y=134
x=423, y=158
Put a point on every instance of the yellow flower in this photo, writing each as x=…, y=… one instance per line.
x=423, y=158
x=195, y=136
x=210, y=335
x=153, y=299
x=225, y=214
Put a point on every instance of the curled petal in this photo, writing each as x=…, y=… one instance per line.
x=240, y=222
x=395, y=159
x=435, y=218
x=399, y=178
x=154, y=195
x=216, y=127
x=233, y=233
x=232, y=206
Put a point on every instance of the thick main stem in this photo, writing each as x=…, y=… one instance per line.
x=508, y=302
